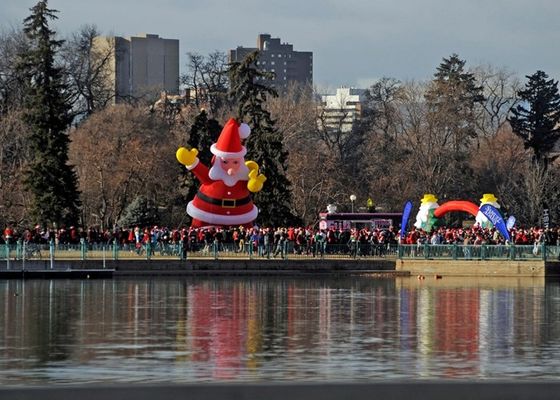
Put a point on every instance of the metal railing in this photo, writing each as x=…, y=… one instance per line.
x=479, y=252
x=287, y=250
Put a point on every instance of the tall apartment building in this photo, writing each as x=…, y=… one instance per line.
x=279, y=58
x=141, y=65
x=341, y=110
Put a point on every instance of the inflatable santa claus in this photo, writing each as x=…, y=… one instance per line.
x=224, y=197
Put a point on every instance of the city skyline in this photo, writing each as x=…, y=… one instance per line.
x=353, y=42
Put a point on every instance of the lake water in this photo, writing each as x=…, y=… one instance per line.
x=187, y=330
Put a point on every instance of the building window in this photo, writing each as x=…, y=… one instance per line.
x=264, y=63
x=272, y=63
x=258, y=62
x=272, y=55
x=279, y=55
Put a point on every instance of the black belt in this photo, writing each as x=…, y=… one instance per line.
x=225, y=203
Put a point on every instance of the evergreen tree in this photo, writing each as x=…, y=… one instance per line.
x=265, y=144
x=452, y=101
x=204, y=132
x=50, y=179
x=139, y=213
x=535, y=119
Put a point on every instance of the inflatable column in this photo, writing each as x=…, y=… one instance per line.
x=425, y=217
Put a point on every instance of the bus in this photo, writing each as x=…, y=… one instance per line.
x=343, y=221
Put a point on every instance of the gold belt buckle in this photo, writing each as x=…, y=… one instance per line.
x=228, y=203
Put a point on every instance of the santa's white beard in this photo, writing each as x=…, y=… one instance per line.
x=218, y=174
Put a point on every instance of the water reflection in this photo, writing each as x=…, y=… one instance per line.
x=189, y=330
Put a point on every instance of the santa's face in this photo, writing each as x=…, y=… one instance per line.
x=229, y=170
x=229, y=165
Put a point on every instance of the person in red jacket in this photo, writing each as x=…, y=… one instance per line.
x=224, y=197
x=8, y=234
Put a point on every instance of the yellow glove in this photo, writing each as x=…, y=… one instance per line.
x=256, y=181
x=185, y=156
x=252, y=165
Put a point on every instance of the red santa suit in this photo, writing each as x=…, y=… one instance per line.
x=223, y=200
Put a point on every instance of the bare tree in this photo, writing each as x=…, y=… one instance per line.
x=500, y=88
x=87, y=71
x=13, y=43
x=314, y=167
x=14, y=149
x=427, y=145
x=382, y=111
x=119, y=153
x=537, y=180
x=335, y=124
x=295, y=112
x=207, y=80
x=500, y=165
x=382, y=123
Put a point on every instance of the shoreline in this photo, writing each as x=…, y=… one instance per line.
x=95, y=269
x=81, y=269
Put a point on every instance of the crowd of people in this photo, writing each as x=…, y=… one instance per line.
x=275, y=241
x=488, y=236
x=261, y=240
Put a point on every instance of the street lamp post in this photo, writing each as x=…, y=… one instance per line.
x=352, y=199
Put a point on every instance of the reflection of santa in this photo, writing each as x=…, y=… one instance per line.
x=481, y=220
x=223, y=197
x=428, y=204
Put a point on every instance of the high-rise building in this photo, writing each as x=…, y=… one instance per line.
x=287, y=65
x=141, y=65
x=341, y=110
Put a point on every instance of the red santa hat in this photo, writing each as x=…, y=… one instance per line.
x=229, y=142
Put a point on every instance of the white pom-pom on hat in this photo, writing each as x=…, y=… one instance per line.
x=244, y=131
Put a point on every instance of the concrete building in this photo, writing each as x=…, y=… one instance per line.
x=288, y=66
x=341, y=110
x=141, y=65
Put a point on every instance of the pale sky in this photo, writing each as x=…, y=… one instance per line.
x=354, y=42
